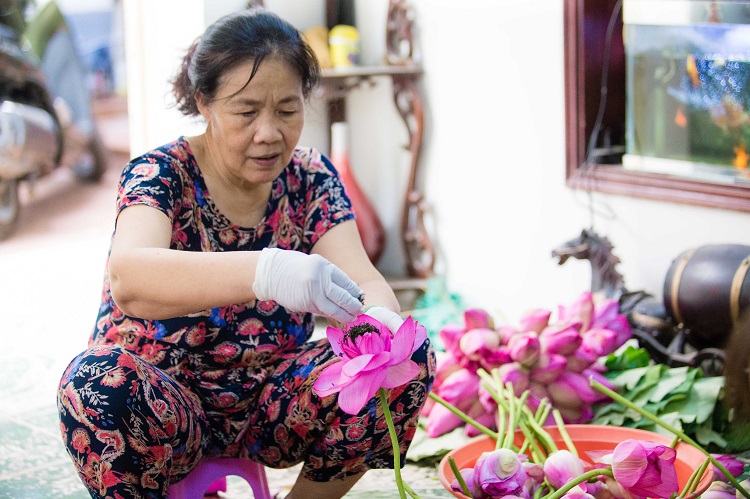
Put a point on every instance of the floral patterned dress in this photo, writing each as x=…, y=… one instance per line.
x=150, y=398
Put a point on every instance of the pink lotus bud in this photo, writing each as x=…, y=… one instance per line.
x=450, y=335
x=535, y=320
x=561, y=467
x=477, y=342
x=476, y=318
x=561, y=339
x=459, y=387
x=474, y=489
x=524, y=348
x=622, y=328
x=720, y=490
x=441, y=421
x=600, y=341
x=445, y=366
x=605, y=312
x=495, y=358
x=516, y=374
x=484, y=418
x=645, y=469
x=581, y=310
x=571, y=390
x=548, y=367
x=506, y=332
x=581, y=359
x=500, y=473
x=734, y=466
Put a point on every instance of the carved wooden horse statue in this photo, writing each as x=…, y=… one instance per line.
x=605, y=279
x=662, y=338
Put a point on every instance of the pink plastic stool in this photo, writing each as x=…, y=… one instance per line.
x=209, y=471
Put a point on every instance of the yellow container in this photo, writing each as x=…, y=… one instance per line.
x=343, y=43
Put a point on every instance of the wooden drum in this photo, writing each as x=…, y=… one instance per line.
x=706, y=289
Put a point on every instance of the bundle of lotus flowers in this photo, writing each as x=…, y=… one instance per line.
x=551, y=360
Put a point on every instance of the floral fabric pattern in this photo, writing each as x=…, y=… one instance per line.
x=149, y=399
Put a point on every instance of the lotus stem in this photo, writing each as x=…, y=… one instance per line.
x=394, y=442
x=564, y=433
x=459, y=477
x=463, y=416
x=579, y=479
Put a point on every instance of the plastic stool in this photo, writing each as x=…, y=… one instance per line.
x=194, y=485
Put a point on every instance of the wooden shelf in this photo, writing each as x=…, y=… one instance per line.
x=368, y=71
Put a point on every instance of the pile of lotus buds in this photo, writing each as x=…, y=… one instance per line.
x=551, y=359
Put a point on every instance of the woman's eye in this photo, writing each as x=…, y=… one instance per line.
x=288, y=112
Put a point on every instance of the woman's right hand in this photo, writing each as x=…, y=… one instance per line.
x=306, y=283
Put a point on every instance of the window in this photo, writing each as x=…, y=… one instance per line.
x=586, y=27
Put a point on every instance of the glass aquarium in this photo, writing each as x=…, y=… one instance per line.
x=688, y=88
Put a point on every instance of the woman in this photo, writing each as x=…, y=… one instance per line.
x=225, y=244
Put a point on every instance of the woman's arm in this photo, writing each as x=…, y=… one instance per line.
x=151, y=281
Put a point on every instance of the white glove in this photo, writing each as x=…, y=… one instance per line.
x=388, y=318
x=306, y=283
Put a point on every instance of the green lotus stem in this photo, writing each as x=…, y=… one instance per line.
x=651, y=417
x=564, y=433
x=537, y=454
x=692, y=483
x=463, y=416
x=547, y=440
x=459, y=477
x=542, y=412
x=394, y=441
x=510, y=431
x=579, y=479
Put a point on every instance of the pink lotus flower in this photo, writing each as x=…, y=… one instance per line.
x=720, y=490
x=548, y=367
x=581, y=310
x=734, y=466
x=535, y=320
x=474, y=489
x=561, y=467
x=500, y=473
x=524, y=348
x=561, y=339
x=372, y=357
x=645, y=469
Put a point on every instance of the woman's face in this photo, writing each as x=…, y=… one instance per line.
x=252, y=131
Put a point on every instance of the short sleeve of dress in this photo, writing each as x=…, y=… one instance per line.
x=151, y=180
x=328, y=204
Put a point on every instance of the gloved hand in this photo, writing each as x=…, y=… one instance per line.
x=306, y=283
x=388, y=318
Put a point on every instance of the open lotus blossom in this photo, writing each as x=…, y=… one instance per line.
x=372, y=357
x=645, y=469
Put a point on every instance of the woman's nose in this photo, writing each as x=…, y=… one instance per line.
x=268, y=128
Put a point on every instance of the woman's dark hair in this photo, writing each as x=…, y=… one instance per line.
x=252, y=34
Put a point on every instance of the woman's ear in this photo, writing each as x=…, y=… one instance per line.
x=202, y=105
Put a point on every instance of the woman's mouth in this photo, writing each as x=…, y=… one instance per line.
x=266, y=161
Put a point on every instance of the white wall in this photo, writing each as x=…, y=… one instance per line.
x=494, y=154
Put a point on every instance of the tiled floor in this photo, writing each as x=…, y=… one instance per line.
x=50, y=278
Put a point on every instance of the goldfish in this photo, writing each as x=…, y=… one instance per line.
x=729, y=114
x=740, y=157
x=679, y=118
x=692, y=70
